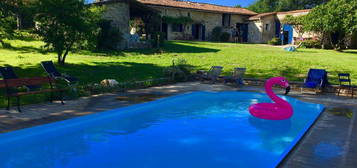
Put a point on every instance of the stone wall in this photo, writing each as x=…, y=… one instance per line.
x=119, y=14
x=269, y=28
x=259, y=34
x=263, y=30
x=209, y=19
x=255, y=32
x=295, y=33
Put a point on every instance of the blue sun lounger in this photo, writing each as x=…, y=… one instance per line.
x=316, y=79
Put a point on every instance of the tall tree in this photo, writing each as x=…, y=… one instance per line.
x=64, y=24
x=261, y=6
x=7, y=20
x=336, y=19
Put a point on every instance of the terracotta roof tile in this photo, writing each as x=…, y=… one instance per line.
x=295, y=11
x=198, y=6
x=256, y=17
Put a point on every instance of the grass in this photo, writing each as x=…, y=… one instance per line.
x=261, y=61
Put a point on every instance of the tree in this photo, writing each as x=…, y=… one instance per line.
x=24, y=13
x=261, y=6
x=7, y=20
x=297, y=22
x=238, y=6
x=64, y=24
x=336, y=20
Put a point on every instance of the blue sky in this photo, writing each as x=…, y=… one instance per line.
x=243, y=3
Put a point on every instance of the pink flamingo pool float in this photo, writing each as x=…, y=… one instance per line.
x=280, y=110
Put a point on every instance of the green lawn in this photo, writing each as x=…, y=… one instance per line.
x=261, y=61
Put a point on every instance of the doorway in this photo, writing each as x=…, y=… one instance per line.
x=164, y=28
x=199, y=32
x=242, y=29
x=287, y=34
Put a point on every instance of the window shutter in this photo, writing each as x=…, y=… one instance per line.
x=229, y=19
x=222, y=19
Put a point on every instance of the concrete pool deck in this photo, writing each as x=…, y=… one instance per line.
x=331, y=142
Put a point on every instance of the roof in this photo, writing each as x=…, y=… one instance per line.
x=198, y=6
x=108, y=1
x=294, y=11
x=257, y=17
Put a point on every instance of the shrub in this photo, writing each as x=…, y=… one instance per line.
x=275, y=41
x=216, y=33
x=158, y=39
x=109, y=37
x=179, y=71
x=225, y=37
x=311, y=44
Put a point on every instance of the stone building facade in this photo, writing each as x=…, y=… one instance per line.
x=117, y=11
x=249, y=26
x=265, y=26
x=205, y=18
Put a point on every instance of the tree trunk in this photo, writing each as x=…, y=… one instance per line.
x=323, y=46
x=59, y=58
x=2, y=43
x=19, y=21
x=66, y=53
x=331, y=42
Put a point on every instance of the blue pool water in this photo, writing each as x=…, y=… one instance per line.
x=196, y=130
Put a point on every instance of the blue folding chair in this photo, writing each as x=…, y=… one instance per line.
x=316, y=79
x=345, y=83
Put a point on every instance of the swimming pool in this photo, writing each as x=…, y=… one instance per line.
x=199, y=129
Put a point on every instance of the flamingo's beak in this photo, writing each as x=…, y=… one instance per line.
x=287, y=90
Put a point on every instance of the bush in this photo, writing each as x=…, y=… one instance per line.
x=109, y=37
x=275, y=41
x=179, y=71
x=216, y=33
x=225, y=37
x=311, y=44
x=158, y=39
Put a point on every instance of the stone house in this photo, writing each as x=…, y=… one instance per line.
x=246, y=25
x=205, y=18
x=265, y=26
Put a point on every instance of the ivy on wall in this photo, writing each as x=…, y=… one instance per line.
x=177, y=20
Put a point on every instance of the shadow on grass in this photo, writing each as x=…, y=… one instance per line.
x=172, y=47
x=104, y=53
x=350, y=52
x=93, y=73
x=97, y=71
x=27, y=49
x=89, y=74
x=306, y=51
x=169, y=47
x=290, y=73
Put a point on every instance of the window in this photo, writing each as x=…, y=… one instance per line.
x=177, y=28
x=226, y=20
x=267, y=27
x=188, y=14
